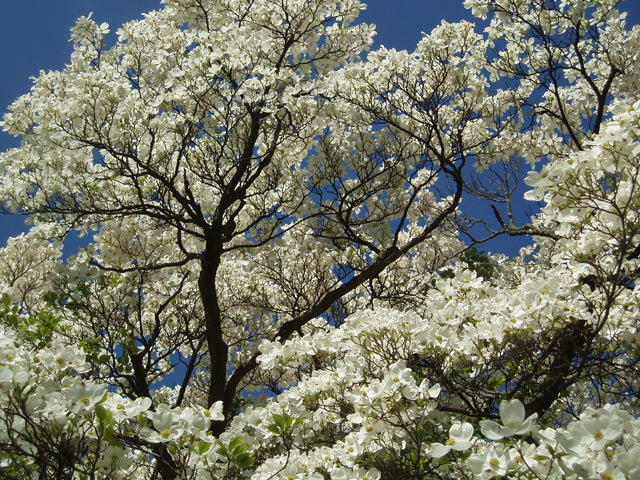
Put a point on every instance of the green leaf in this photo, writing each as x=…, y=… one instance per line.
x=239, y=450
x=203, y=446
x=233, y=444
x=280, y=422
x=448, y=273
x=283, y=423
x=244, y=460
x=102, y=413
x=221, y=450
x=107, y=432
x=274, y=429
x=141, y=419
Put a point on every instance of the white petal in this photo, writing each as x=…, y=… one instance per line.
x=461, y=431
x=491, y=430
x=439, y=450
x=512, y=413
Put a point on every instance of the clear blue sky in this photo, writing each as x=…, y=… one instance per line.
x=34, y=35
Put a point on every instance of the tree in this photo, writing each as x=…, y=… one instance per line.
x=276, y=283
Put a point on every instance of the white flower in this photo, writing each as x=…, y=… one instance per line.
x=357, y=473
x=460, y=435
x=513, y=422
x=167, y=427
x=490, y=464
x=114, y=458
x=125, y=408
x=83, y=395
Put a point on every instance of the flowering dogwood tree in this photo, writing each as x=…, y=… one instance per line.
x=280, y=280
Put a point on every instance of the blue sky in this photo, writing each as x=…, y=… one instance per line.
x=34, y=35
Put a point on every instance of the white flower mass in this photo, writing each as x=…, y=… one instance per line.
x=283, y=275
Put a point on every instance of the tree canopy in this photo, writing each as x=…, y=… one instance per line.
x=281, y=277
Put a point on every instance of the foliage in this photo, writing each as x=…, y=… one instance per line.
x=281, y=280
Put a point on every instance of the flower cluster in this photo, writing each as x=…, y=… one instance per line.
x=278, y=283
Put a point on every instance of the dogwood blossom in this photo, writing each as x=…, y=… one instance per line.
x=460, y=435
x=513, y=422
x=281, y=279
